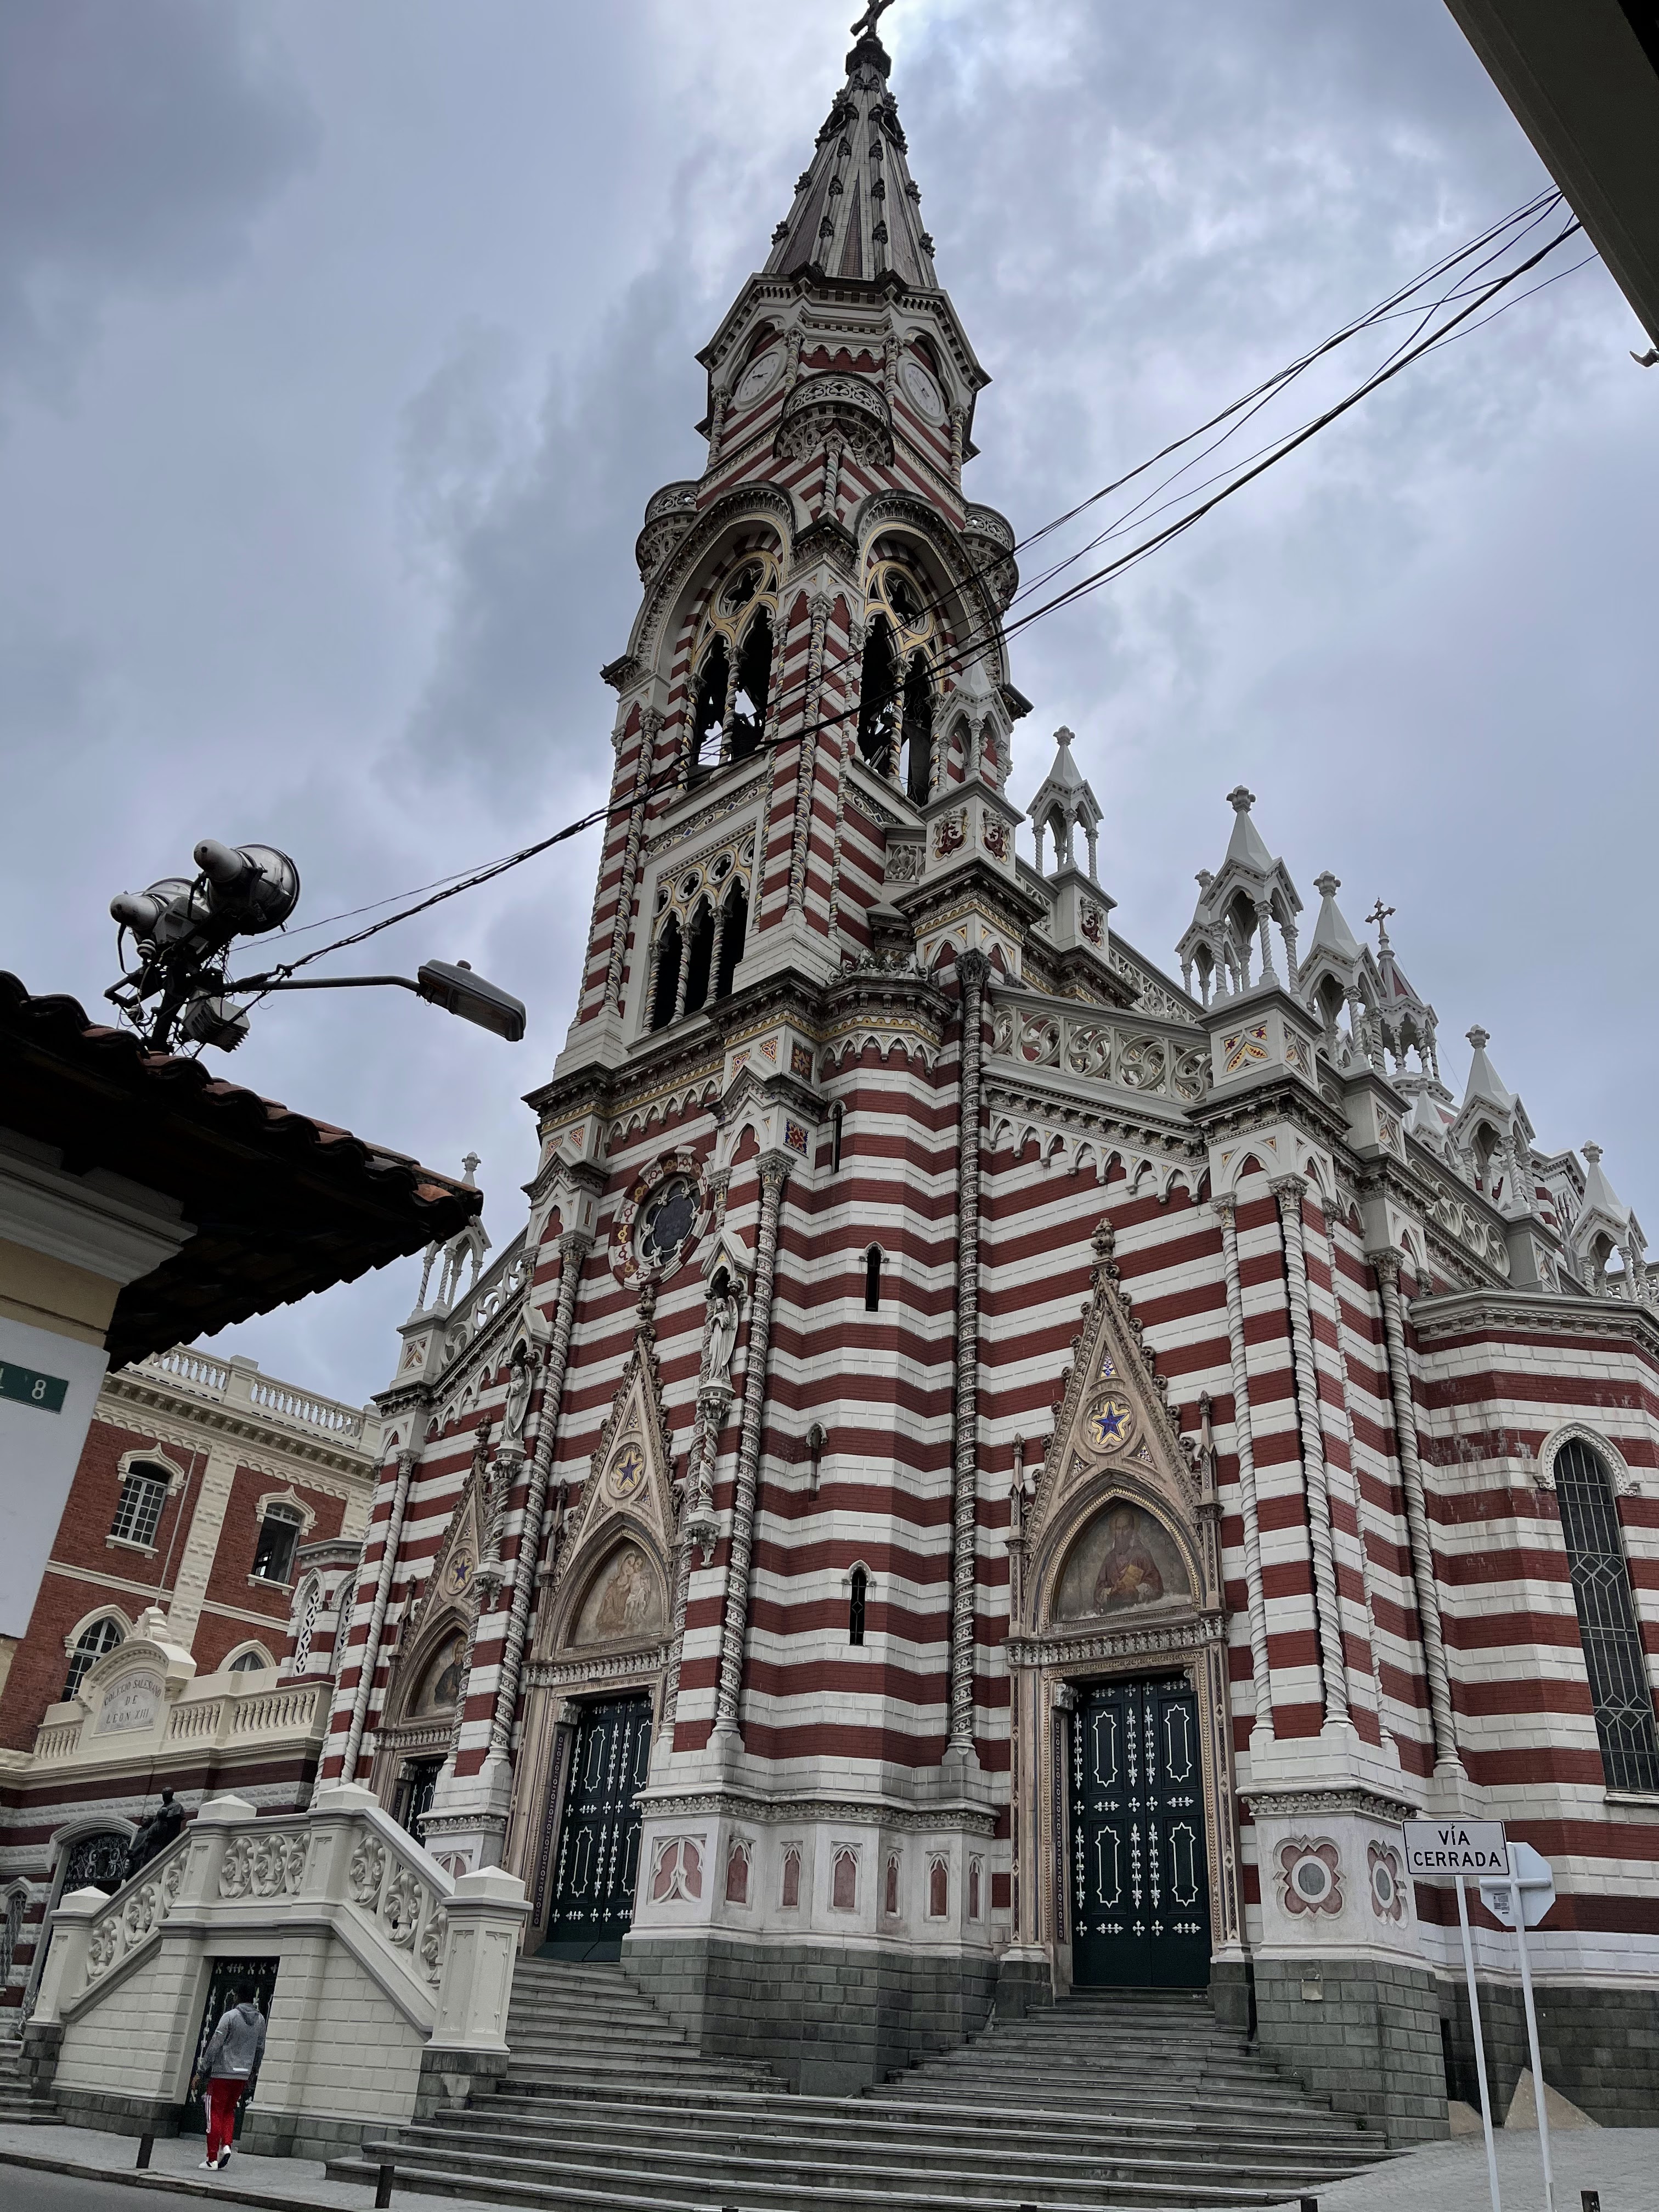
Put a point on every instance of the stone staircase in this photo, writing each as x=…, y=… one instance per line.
x=19, y=2106
x=1106, y=2099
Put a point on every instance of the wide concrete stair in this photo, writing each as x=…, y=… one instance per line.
x=1104, y=2100
x=19, y=2106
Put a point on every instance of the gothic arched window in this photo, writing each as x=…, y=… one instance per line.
x=872, y=1279
x=1613, y=1657
x=667, y=991
x=878, y=698
x=754, y=686
x=733, y=936
x=708, y=709
x=699, y=956
x=918, y=729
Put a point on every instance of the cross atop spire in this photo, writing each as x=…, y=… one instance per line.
x=857, y=212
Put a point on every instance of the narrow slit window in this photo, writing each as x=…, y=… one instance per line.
x=872, y=1279
x=1607, y=1626
x=837, y=1115
x=859, y=1582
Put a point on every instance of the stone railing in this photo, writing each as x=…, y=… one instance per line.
x=500, y=1285
x=388, y=1969
x=1127, y=1053
x=238, y=1382
x=285, y=1713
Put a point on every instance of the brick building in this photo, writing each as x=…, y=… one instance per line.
x=990, y=1470
x=183, y=1636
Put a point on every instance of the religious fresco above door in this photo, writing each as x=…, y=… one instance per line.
x=623, y=1601
x=1125, y=1561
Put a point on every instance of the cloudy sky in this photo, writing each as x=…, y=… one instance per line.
x=340, y=349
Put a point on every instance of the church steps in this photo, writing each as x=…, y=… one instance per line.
x=531, y=2102
x=1165, y=2150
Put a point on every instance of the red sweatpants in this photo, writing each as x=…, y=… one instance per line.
x=224, y=2095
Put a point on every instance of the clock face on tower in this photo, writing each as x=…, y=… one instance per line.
x=922, y=392
x=757, y=379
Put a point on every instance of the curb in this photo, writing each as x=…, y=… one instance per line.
x=179, y=2184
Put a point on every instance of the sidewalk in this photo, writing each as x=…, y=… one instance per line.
x=282, y=2183
x=1623, y=2163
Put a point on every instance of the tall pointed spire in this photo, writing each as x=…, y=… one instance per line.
x=857, y=212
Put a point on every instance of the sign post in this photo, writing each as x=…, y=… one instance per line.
x=1521, y=1903
x=1435, y=1848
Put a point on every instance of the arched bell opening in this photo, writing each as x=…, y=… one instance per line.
x=699, y=956
x=664, y=995
x=916, y=730
x=754, y=686
x=708, y=709
x=733, y=932
x=879, y=690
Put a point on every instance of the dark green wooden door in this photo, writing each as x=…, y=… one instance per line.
x=1140, y=1891
x=599, y=1855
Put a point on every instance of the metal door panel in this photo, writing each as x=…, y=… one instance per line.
x=1140, y=1879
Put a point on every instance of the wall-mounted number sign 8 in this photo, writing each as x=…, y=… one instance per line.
x=25, y=1387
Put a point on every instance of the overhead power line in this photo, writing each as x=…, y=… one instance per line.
x=1471, y=286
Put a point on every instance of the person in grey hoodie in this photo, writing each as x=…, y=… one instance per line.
x=229, y=2065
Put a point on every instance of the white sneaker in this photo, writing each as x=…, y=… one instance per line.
x=209, y=2166
x=224, y=2158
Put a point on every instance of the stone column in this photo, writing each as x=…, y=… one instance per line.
x=650, y=724
x=1289, y=1190
x=1243, y=1445
x=972, y=970
x=573, y=1248
x=806, y=766
x=407, y=1461
x=774, y=1174
x=1446, y=1760
x=1367, y=1581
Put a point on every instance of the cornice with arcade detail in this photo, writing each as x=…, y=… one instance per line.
x=879, y=1003
x=1109, y=1127
x=1064, y=1648
x=1327, y=1804
x=1455, y=1313
x=132, y=1391
x=1234, y=1120
x=665, y=1801
x=975, y=887
x=852, y=311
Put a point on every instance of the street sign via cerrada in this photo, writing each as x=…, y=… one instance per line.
x=1471, y=1848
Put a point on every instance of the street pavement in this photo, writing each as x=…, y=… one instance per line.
x=1621, y=2163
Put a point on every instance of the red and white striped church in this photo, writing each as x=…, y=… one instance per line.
x=990, y=1470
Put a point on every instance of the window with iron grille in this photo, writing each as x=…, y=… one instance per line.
x=138, y=1515
x=1607, y=1619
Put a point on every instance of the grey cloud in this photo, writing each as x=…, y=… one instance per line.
x=136, y=145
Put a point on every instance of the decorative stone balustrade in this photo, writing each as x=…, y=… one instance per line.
x=1129, y=1054
x=238, y=1382
x=389, y=1971
x=291, y=1713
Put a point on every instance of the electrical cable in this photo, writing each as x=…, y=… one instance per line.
x=1411, y=350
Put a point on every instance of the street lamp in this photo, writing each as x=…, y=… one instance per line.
x=182, y=929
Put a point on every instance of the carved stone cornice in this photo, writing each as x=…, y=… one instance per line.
x=1081, y=1646
x=133, y=1390
x=958, y=1817
x=1451, y=1313
x=1301, y=1804
x=600, y=1666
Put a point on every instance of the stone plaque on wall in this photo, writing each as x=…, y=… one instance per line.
x=130, y=1705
